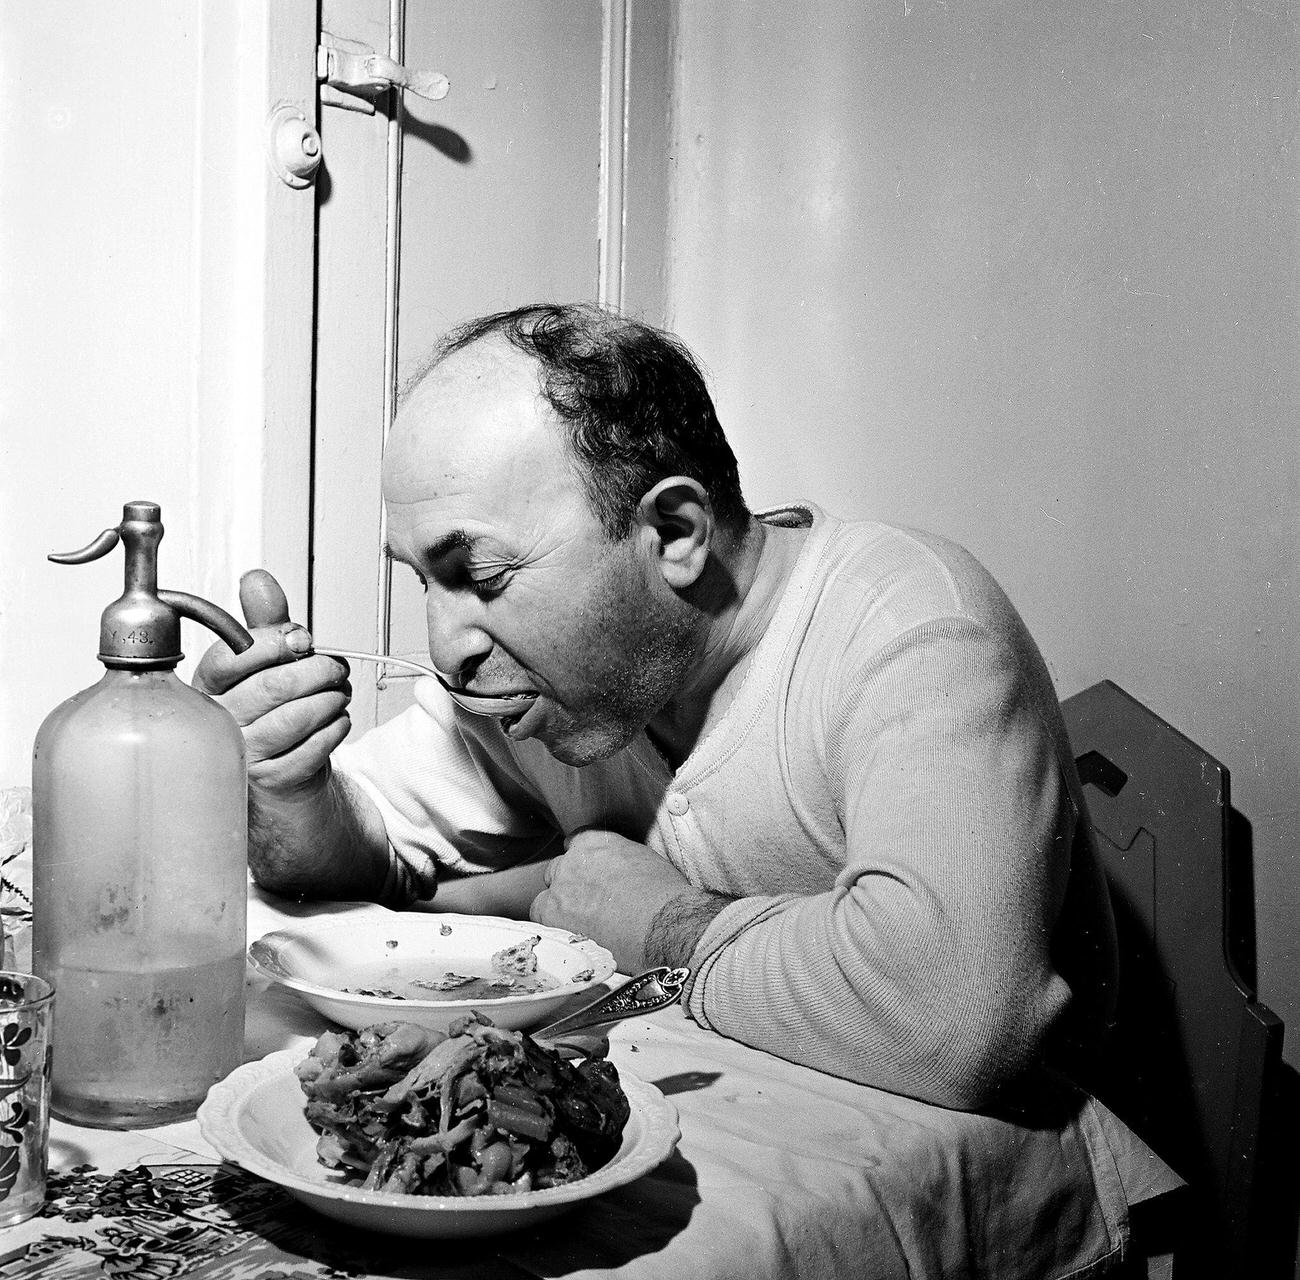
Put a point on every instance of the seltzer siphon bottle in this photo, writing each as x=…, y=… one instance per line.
x=139, y=860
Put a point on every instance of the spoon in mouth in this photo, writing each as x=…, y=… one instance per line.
x=502, y=706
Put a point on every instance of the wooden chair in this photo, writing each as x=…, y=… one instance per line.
x=1195, y=1059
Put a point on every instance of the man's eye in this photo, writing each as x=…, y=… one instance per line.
x=490, y=585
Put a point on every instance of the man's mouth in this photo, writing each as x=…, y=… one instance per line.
x=499, y=705
x=510, y=725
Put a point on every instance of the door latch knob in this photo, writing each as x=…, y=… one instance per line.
x=294, y=146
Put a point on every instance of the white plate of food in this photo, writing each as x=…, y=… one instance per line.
x=431, y=968
x=256, y=1118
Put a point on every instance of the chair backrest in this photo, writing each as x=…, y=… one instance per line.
x=1195, y=1058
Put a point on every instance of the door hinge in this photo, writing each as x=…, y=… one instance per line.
x=352, y=75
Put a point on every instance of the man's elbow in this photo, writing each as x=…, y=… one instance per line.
x=969, y=1063
x=973, y=1081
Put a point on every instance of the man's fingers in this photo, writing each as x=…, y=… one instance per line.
x=272, y=721
x=303, y=762
x=219, y=669
x=276, y=639
x=262, y=599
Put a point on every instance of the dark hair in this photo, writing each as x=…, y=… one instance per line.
x=633, y=399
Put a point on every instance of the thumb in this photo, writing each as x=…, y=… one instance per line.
x=262, y=599
x=276, y=639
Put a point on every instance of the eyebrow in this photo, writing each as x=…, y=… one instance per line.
x=456, y=540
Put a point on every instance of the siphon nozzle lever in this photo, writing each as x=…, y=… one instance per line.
x=142, y=627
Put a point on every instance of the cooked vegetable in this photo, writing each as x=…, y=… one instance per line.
x=480, y=1111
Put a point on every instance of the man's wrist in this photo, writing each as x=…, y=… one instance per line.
x=678, y=926
x=318, y=841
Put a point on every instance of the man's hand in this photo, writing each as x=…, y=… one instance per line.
x=614, y=890
x=308, y=832
x=293, y=710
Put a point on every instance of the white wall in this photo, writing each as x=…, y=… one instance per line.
x=1026, y=274
x=132, y=234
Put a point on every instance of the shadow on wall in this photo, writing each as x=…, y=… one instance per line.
x=447, y=142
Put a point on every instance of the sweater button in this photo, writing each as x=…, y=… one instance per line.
x=677, y=803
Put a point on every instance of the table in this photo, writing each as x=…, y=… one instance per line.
x=781, y=1172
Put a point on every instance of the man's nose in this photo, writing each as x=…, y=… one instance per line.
x=457, y=643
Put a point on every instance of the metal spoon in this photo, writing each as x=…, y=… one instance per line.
x=503, y=706
x=646, y=993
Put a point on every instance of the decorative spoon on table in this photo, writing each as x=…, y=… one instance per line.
x=648, y=992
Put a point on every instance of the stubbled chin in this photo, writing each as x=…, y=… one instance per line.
x=582, y=747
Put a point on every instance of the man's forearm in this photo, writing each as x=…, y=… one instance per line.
x=324, y=842
x=506, y=893
x=679, y=924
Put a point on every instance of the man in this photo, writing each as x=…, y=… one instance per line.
x=819, y=762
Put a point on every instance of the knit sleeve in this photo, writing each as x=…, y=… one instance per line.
x=446, y=797
x=926, y=969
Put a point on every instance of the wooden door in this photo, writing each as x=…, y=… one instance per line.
x=538, y=176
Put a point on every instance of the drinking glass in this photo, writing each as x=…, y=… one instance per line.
x=26, y=1014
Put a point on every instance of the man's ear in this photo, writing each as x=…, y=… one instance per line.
x=677, y=519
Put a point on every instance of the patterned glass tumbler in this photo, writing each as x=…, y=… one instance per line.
x=26, y=1014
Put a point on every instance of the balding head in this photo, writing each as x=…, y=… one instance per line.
x=629, y=398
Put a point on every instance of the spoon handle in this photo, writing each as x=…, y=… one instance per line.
x=646, y=993
x=500, y=707
x=386, y=659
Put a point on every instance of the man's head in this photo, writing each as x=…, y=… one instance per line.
x=632, y=399
x=560, y=524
